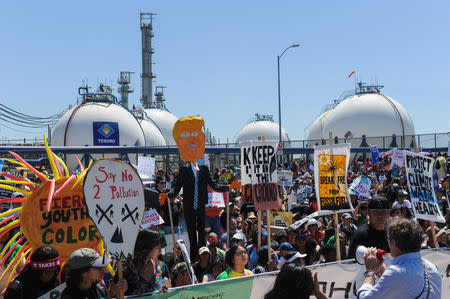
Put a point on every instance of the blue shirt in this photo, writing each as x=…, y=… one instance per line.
x=404, y=278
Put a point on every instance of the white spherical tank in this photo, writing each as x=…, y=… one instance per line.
x=369, y=114
x=152, y=135
x=262, y=129
x=315, y=134
x=165, y=121
x=96, y=123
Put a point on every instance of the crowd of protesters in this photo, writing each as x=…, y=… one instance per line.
x=155, y=268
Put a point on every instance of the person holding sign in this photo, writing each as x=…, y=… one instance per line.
x=193, y=178
x=84, y=277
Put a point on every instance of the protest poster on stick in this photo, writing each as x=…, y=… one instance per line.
x=259, y=170
x=146, y=165
x=331, y=165
x=361, y=187
x=285, y=177
x=397, y=159
x=151, y=218
x=215, y=199
x=375, y=154
x=419, y=176
x=115, y=199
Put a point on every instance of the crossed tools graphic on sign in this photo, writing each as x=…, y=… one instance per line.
x=130, y=214
x=104, y=213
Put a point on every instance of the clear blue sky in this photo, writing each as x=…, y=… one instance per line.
x=218, y=58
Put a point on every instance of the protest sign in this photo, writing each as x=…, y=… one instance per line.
x=375, y=154
x=114, y=196
x=285, y=177
x=151, y=218
x=66, y=226
x=397, y=158
x=215, y=199
x=1, y=164
x=146, y=165
x=280, y=219
x=55, y=293
x=259, y=174
x=360, y=187
x=331, y=165
x=419, y=175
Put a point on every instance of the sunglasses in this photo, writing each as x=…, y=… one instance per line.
x=241, y=253
x=213, y=240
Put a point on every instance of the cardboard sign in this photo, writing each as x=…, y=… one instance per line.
x=146, y=165
x=419, y=176
x=331, y=165
x=375, y=154
x=151, y=218
x=115, y=199
x=215, y=199
x=66, y=226
x=397, y=158
x=285, y=177
x=280, y=219
x=106, y=133
x=361, y=187
x=259, y=174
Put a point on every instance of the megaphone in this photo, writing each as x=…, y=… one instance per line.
x=361, y=250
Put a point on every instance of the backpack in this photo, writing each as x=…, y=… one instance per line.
x=438, y=165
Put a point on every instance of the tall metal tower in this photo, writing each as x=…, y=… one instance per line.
x=124, y=89
x=146, y=19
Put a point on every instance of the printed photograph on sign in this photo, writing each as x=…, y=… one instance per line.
x=419, y=177
x=115, y=199
x=331, y=164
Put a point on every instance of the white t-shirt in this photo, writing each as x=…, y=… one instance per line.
x=406, y=203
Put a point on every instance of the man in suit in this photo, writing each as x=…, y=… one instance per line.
x=193, y=178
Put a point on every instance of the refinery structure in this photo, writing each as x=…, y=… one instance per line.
x=363, y=117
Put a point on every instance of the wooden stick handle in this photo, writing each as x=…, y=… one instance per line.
x=120, y=294
x=433, y=234
x=338, y=245
x=228, y=219
x=269, y=220
x=169, y=204
x=259, y=228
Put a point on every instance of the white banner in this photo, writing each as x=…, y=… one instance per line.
x=361, y=187
x=419, y=175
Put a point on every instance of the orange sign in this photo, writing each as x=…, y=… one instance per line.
x=190, y=139
x=66, y=226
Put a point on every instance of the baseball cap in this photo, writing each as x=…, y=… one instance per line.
x=379, y=203
x=238, y=236
x=346, y=215
x=87, y=257
x=402, y=192
x=285, y=246
x=212, y=235
x=203, y=249
x=313, y=221
x=300, y=236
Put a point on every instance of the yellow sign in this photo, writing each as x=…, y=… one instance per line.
x=332, y=181
x=66, y=226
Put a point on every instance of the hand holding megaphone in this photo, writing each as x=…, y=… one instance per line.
x=362, y=252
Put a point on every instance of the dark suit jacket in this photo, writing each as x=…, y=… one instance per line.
x=186, y=180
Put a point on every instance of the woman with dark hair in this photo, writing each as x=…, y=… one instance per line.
x=145, y=273
x=84, y=277
x=264, y=265
x=236, y=258
x=39, y=276
x=295, y=282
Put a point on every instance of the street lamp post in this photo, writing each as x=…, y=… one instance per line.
x=279, y=93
